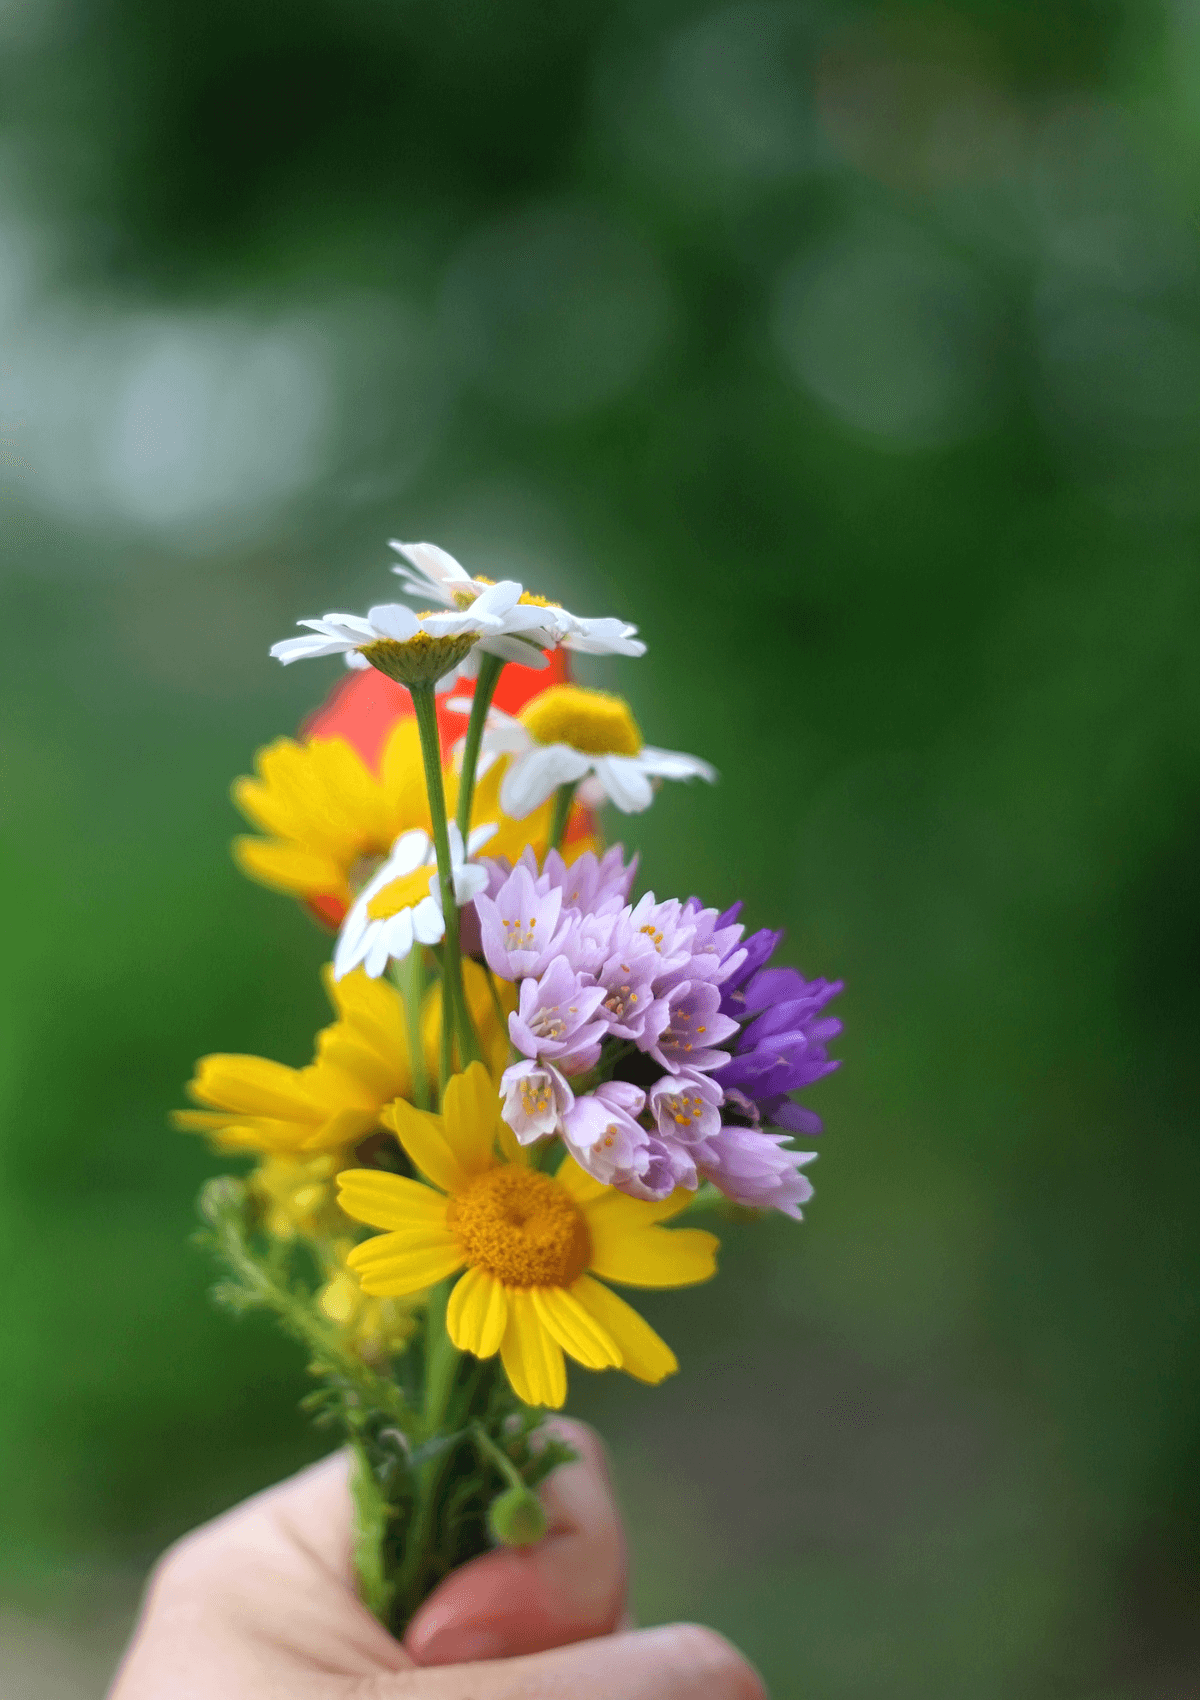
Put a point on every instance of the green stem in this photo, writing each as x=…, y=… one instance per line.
x=496, y=1004
x=491, y=1453
x=409, y=978
x=490, y=669
x=372, y=1514
x=446, y=1032
x=563, y=798
x=441, y=1359
x=454, y=1003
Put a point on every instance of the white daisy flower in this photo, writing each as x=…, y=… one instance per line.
x=401, y=904
x=429, y=572
x=567, y=735
x=417, y=648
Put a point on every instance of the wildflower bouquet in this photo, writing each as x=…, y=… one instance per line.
x=532, y=1080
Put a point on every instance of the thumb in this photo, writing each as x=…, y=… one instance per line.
x=679, y=1662
x=568, y=1587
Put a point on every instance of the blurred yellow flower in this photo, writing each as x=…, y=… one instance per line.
x=295, y=1194
x=330, y=819
x=532, y=1244
x=361, y=1064
x=374, y=1328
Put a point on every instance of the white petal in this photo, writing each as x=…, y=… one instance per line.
x=469, y=881
x=357, y=663
x=398, y=934
x=674, y=764
x=603, y=637
x=410, y=850
x=535, y=775
x=428, y=922
x=518, y=649
x=394, y=620
x=506, y=740
x=308, y=648
x=456, y=844
x=480, y=836
x=625, y=783
x=463, y=623
x=376, y=958
x=497, y=600
x=435, y=564
x=343, y=625
x=351, y=947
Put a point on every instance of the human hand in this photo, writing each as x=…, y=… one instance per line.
x=261, y=1605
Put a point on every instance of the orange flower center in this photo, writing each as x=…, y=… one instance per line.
x=522, y=1227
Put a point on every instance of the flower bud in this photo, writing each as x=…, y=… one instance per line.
x=516, y=1518
x=222, y=1197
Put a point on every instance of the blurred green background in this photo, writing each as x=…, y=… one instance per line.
x=852, y=351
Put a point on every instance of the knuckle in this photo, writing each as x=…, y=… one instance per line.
x=180, y=1565
x=716, y=1665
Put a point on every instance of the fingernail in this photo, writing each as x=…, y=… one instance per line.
x=454, y=1646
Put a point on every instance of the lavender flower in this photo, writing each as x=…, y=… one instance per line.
x=694, y=1028
x=519, y=930
x=603, y=1135
x=592, y=886
x=686, y=1107
x=782, y=1046
x=655, y=1039
x=554, y=1018
x=536, y=1098
x=754, y=1168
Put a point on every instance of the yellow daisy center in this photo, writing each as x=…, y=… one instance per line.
x=591, y=721
x=420, y=659
x=403, y=893
x=522, y=1227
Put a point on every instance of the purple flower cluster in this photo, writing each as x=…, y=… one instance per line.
x=654, y=1039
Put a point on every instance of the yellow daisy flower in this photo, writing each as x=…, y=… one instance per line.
x=361, y=1065
x=330, y=819
x=254, y=1104
x=532, y=1245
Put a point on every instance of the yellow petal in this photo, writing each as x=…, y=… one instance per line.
x=470, y=1111
x=370, y=1037
x=511, y=1148
x=579, y=1183
x=643, y=1354
x=396, y=1264
x=532, y=1358
x=402, y=774
x=291, y=867
x=647, y=1256
x=423, y=1136
x=255, y=1086
x=344, y=1127
x=477, y=1314
x=389, y=1201
x=575, y=1329
x=491, y=1028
